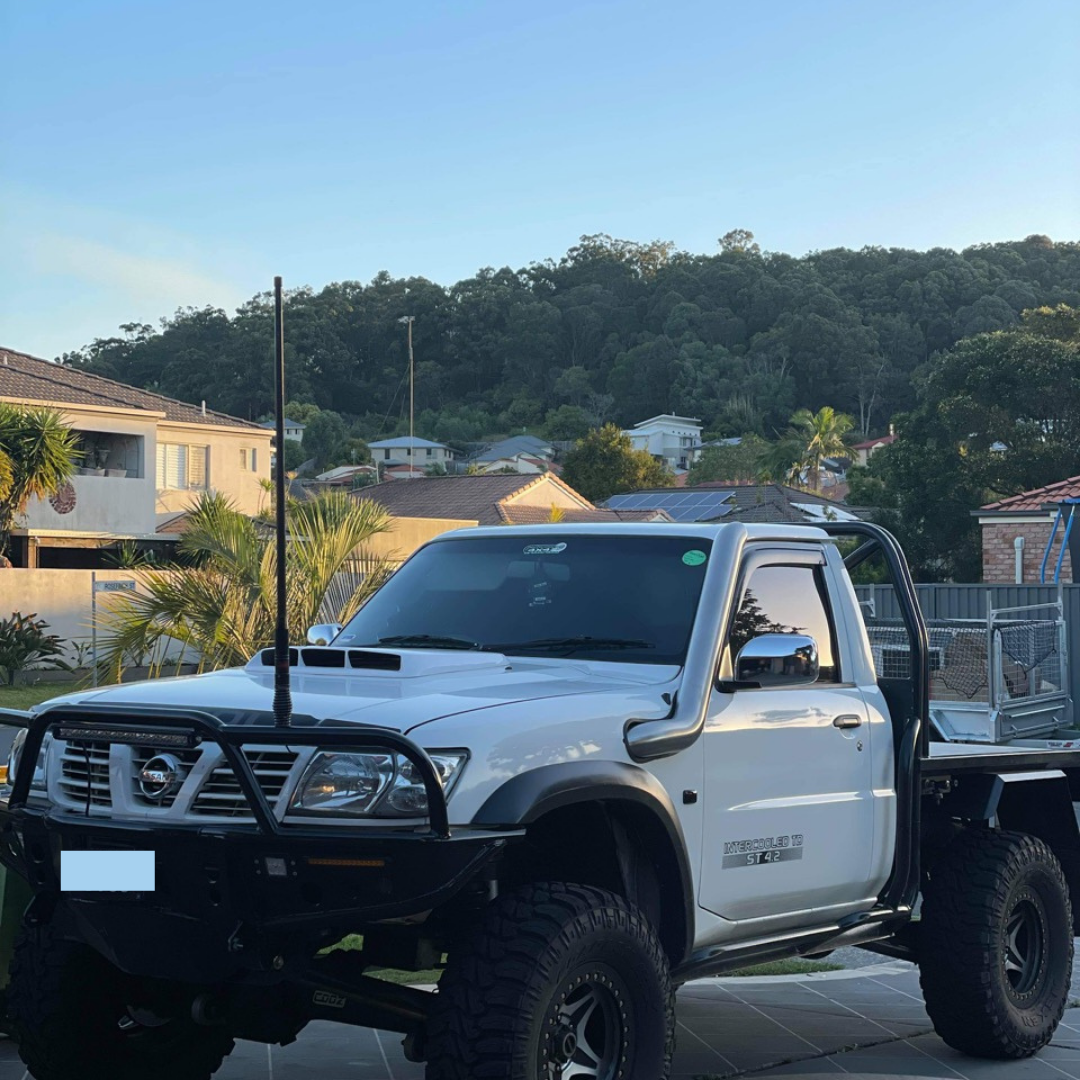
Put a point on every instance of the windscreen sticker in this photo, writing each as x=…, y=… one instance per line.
x=545, y=549
x=762, y=850
x=694, y=557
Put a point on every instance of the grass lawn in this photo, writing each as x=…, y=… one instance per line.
x=788, y=967
x=22, y=697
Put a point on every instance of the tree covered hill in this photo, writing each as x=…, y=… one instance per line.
x=613, y=331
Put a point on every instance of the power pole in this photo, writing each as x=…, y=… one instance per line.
x=408, y=320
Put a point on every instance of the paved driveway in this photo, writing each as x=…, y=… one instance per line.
x=866, y=1022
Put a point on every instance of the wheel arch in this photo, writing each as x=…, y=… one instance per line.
x=1038, y=803
x=629, y=807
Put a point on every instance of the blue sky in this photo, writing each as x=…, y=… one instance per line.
x=155, y=154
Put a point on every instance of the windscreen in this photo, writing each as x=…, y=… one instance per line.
x=601, y=597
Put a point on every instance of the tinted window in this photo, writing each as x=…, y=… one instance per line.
x=541, y=595
x=786, y=600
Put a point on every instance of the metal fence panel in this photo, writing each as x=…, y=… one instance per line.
x=970, y=602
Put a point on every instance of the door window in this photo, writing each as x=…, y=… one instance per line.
x=787, y=600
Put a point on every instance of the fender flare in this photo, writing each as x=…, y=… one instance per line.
x=531, y=795
x=1038, y=803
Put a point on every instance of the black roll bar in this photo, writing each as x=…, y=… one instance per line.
x=903, y=887
x=187, y=727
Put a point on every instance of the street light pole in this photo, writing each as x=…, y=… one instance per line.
x=408, y=320
x=412, y=380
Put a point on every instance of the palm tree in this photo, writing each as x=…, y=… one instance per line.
x=782, y=462
x=7, y=474
x=222, y=605
x=819, y=435
x=38, y=452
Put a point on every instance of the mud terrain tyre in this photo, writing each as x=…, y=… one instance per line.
x=996, y=944
x=70, y=1015
x=558, y=980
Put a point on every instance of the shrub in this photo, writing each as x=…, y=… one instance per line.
x=24, y=643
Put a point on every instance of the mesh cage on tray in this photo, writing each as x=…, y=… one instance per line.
x=957, y=657
x=1031, y=659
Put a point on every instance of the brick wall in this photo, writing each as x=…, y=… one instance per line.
x=999, y=555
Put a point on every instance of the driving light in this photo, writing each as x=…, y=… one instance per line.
x=374, y=785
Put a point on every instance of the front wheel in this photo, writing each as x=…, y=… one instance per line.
x=996, y=944
x=560, y=982
x=76, y=1017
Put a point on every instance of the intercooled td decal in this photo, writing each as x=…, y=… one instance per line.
x=763, y=850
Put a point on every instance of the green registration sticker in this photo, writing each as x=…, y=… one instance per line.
x=694, y=558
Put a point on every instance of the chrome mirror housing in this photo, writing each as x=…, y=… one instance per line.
x=774, y=660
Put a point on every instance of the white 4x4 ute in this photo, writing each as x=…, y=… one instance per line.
x=579, y=765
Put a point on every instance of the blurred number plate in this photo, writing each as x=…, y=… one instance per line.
x=107, y=871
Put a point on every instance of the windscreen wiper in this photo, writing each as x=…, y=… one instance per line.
x=572, y=644
x=427, y=641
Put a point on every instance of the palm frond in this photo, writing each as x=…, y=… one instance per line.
x=223, y=607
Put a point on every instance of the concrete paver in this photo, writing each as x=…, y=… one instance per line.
x=870, y=1022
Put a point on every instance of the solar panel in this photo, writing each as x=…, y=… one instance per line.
x=680, y=505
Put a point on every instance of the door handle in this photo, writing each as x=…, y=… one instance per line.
x=848, y=720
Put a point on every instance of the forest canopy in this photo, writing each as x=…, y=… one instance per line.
x=613, y=331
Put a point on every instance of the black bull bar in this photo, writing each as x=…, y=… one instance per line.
x=241, y=918
x=186, y=728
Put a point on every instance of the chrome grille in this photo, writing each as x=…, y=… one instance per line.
x=84, y=773
x=140, y=755
x=221, y=796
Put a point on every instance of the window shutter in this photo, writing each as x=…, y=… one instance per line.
x=196, y=466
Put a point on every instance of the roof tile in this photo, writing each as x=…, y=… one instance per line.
x=1037, y=498
x=458, y=498
x=30, y=378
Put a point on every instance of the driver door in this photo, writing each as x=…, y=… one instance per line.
x=788, y=775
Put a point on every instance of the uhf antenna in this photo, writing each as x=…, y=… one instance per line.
x=282, y=694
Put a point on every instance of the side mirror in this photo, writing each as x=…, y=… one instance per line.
x=773, y=660
x=323, y=634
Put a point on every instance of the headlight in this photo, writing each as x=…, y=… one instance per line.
x=374, y=785
x=15, y=755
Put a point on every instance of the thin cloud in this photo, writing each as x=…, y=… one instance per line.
x=164, y=282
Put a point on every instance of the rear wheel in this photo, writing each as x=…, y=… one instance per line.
x=560, y=982
x=76, y=1017
x=996, y=944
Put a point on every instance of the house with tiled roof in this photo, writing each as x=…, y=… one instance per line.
x=865, y=450
x=524, y=454
x=428, y=506
x=412, y=451
x=294, y=430
x=1017, y=530
x=143, y=457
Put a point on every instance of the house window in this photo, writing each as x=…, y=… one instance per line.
x=429, y=451
x=386, y=455
x=248, y=460
x=181, y=467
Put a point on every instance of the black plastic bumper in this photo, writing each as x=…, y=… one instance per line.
x=249, y=899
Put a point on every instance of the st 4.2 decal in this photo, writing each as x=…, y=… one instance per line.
x=762, y=850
